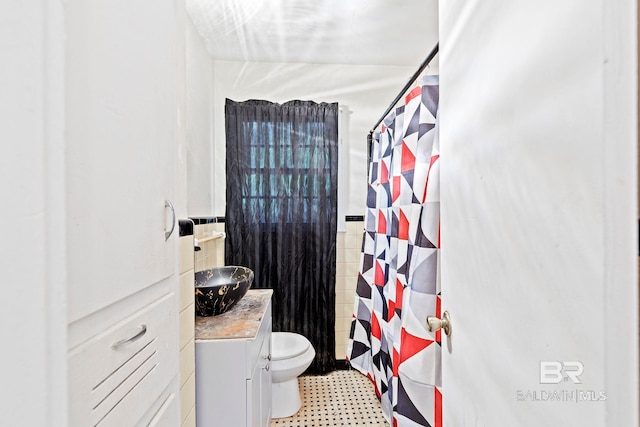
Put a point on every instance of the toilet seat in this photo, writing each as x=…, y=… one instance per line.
x=286, y=345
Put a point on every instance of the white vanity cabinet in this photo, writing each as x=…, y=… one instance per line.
x=233, y=353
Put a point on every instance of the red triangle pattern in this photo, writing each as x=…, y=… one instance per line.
x=375, y=385
x=384, y=172
x=403, y=227
x=410, y=345
x=408, y=159
x=396, y=188
x=433, y=160
x=379, y=277
x=375, y=327
x=382, y=222
x=438, y=315
x=399, y=294
x=416, y=91
x=396, y=362
x=438, y=407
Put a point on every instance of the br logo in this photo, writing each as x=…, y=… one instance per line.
x=554, y=372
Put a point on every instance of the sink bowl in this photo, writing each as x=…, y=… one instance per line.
x=218, y=289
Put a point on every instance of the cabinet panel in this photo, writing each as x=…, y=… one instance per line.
x=120, y=152
x=220, y=383
x=256, y=347
x=168, y=414
x=260, y=410
x=117, y=375
x=254, y=390
x=265, y=382
x=259, y=386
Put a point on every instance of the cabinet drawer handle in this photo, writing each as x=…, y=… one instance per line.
x=141, y=332
x=266, y=367
x=268, y=357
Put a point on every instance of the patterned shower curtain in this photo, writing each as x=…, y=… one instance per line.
x=399, y=284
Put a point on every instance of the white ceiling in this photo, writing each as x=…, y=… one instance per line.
x=366, y=32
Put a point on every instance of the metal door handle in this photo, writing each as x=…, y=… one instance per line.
x=433, y=323
x=167, y=204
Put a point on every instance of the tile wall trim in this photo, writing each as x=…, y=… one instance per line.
x=221, y=219
x=186, y=227
x=207, y=220
x=343, y=365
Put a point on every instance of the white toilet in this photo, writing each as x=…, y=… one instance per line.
x=291, y=355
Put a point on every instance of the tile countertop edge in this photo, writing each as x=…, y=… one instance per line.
x=241, y=322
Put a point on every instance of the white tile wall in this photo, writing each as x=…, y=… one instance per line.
x=212, y=251
x=187, y=347
x=348, y=246
x=188, y=402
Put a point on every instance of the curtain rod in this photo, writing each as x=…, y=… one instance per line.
x=415, y=75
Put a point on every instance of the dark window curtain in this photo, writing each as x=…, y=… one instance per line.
x=281, y=211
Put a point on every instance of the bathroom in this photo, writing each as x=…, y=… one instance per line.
x=344, y=79
x=101, y=110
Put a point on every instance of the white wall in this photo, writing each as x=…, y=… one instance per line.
x=32, y=266
x=199, y=76
x=365, y=90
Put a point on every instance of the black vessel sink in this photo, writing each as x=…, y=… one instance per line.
x=218, y=289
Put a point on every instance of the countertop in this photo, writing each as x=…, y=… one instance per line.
x=241, y=321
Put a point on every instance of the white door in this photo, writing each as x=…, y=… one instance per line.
x=120, y=155
x=538, y=192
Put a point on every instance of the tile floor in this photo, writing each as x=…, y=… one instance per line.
x=341, y=398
